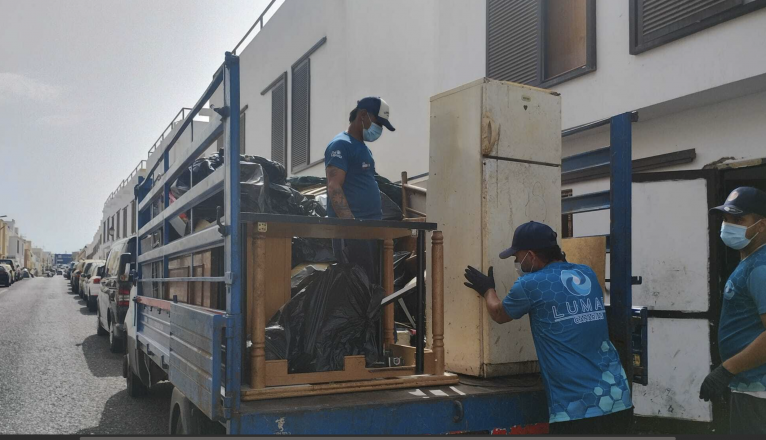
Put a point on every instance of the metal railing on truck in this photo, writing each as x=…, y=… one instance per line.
x=186, y=340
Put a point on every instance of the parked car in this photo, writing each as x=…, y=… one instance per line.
x=6, y=276
x=25, y=273
x=114, y=296
x=75, y=280
x=14, y=269
x=88, y=271
x=93, y=285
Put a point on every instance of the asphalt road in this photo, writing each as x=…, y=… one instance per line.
x=57, y=376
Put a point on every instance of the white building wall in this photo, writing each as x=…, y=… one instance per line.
x=623, y=82
x=403, y=51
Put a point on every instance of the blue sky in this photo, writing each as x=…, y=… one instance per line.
x=86, y=87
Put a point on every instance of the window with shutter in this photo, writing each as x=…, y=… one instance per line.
x=301, y=104
x=657, y=22
x=278, y=89
x=124, y=222
x=540, y=42
x=133, y=217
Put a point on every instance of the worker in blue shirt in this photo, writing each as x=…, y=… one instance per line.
x=352, y=191
x=742, y=330
x=584, y=380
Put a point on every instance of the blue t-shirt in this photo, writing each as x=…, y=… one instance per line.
x=581, y=369
x=744, y=301
x=360, y=187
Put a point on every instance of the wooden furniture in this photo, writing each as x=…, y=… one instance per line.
x=408, y=212
x=495, y=156
x=268, y=238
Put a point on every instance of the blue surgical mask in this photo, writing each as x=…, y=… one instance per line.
x=734, y=237
x=373, y=133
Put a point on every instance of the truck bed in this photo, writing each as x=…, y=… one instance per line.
x=474, y=405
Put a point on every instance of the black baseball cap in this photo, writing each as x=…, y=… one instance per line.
x=744, y=200
x=531, y=236
x=379, y=108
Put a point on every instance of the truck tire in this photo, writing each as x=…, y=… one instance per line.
x=187, y=419
x=99, y=329
x=136, y=388
x=115, y=343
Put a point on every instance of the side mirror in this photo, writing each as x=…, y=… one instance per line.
x=124, y=267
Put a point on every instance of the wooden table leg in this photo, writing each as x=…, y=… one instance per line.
x=258, y=314
x=437, y=298
x=388, y=286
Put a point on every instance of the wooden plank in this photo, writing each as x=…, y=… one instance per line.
x=278, y=268
x=388, y=286
x=590, y=251
x=565, y=38
x=289, y=230
x=153, y=302
x=407, y=353
x=258, y=315
x=354, y=369
x=249, y=394
x=437, y=299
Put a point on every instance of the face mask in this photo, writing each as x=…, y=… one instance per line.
x=734, y=237
x=519, y=270
x=373, y=133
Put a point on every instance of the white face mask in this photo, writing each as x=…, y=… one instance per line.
x=517, y=264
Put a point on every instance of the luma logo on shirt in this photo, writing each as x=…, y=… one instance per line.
x=336, y=154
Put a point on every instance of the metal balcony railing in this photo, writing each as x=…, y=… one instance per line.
x=259, y=20
x=141, y=166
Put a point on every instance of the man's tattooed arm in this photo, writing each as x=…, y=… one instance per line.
x=335, y=179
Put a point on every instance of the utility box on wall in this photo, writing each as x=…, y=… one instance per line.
x=494, y=163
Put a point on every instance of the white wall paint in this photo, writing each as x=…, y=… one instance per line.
x=409, y=52
x=679, y=360
x=731, y=128
x=622, y=82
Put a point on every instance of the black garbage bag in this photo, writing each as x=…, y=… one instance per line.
x=201, y=168
x=253, y=181
x=391, y=211
x=312, y=250
x=303, y=278
x=401, y=277
x=275, y=170
x=334, y=316
x=302, y=182
x=392, y=190
x=276, y=344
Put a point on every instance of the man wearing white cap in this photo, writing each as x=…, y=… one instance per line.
x=352, y=190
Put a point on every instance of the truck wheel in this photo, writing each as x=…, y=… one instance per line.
x=99, y=329
x=187, y=419
x=115, y=343
x=136, y=388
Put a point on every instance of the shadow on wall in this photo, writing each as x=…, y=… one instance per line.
x=147, y=415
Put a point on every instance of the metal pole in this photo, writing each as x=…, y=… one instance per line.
x=420, y=327
x=232, y=242
x=621, y=298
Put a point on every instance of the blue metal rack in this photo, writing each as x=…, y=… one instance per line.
x=618, y=200
x=163, y=334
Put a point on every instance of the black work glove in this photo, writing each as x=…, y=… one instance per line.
x=715, y=383
x=478, y=281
